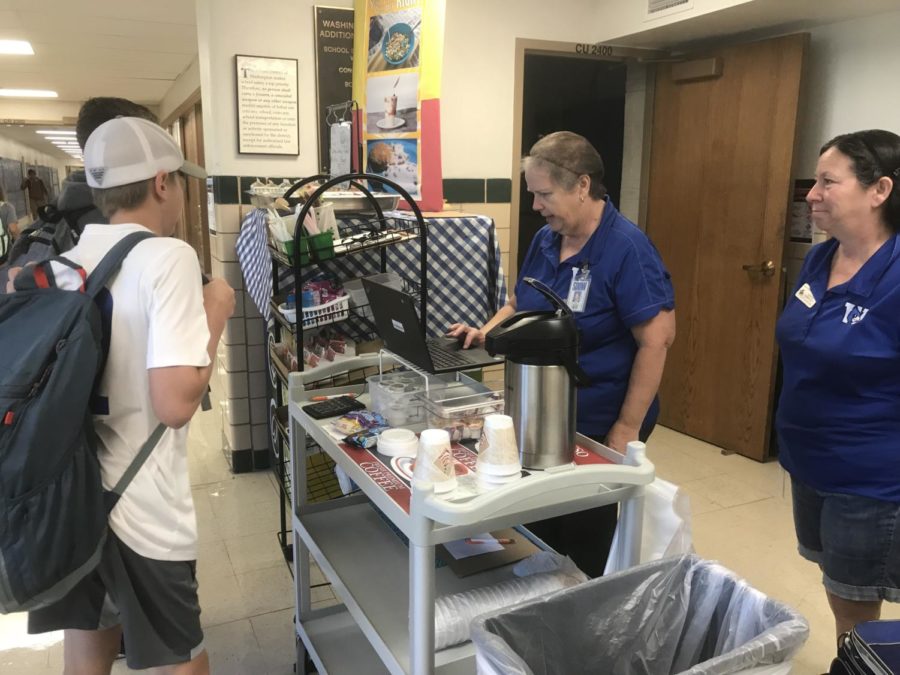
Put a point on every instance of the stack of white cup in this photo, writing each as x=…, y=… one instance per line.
x=498, y=455
x=434, y=460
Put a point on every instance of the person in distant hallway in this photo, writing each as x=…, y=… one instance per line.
x=37, y=192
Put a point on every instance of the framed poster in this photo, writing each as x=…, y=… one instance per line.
x=268, y=121
x=334, y=70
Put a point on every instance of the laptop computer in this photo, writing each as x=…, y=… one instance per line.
x=398, y=325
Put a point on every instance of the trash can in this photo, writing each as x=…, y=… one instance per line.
x=675, y=615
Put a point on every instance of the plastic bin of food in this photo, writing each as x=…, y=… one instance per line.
x=329, y=312
x=352, y=201
x=676, y=615
x=461, y=406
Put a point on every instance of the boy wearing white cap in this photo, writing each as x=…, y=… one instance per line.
x=163, y=327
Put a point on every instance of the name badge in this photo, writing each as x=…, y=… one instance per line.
x=804, y=294
x=578, y=289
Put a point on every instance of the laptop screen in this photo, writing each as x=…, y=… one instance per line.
x=398, y=322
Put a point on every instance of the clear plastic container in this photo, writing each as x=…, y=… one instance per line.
x=395, y=396
x=461, y=406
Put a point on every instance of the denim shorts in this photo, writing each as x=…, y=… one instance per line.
x=854, y=540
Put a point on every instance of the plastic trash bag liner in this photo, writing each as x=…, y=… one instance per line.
x=676, y=615
x=666, y=529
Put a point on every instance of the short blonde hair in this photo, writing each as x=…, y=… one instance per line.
x=566, y=156
x=127, y=197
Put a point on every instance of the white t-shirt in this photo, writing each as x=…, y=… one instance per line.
x=157, y=320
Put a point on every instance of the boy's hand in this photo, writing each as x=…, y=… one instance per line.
x=218, y=301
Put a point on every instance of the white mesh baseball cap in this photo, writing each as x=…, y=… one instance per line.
x=127, y=150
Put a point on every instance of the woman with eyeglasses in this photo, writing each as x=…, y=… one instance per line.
x=616, y=284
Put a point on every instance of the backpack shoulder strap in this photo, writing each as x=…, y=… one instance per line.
x=111, y=497
x=97, y=280
x=112, y=260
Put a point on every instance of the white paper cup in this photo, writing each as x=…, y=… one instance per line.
x=498, y=470
x=489, y=481
x=434, y=460
x=498, y=453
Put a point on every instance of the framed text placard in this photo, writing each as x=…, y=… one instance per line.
x=268, y=122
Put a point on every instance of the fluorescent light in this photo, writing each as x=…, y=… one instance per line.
x=22, y=47
x=28, y=93
x=65, y=139
x=55, y=132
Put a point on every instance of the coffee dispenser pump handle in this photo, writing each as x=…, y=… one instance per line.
x=561, y=307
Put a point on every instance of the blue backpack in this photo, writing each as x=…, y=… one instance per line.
x=53, y=508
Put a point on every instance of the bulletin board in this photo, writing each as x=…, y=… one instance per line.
x=11, y=175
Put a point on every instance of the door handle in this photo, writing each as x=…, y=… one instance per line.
x=766, y=268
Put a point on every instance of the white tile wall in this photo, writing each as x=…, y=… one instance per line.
x=235, y=384
x=233, y=357
x=258, y=384
x=235, y=331
x=255, y=331
x=235, y=411
x=228, y=218
x=259, y=410
x=223, y=246
x=256, y=358
x=260, y=433
x=238, y=436
x=230, y=271
x=238, y=305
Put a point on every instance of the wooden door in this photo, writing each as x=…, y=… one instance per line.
x=195, y=203
x=718, y=194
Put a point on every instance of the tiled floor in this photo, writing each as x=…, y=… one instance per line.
x=741, y=517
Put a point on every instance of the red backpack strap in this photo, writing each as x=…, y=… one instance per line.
x=53, y=273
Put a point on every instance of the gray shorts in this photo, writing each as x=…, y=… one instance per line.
x=155, y=602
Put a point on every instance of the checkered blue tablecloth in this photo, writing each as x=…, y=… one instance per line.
x=464, y=272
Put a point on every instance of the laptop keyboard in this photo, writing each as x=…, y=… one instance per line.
x=444, y=359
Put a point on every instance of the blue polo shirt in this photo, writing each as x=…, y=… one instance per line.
x=838, y=418
x=629, y=285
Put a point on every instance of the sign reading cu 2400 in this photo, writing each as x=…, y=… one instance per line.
x=594, y=49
